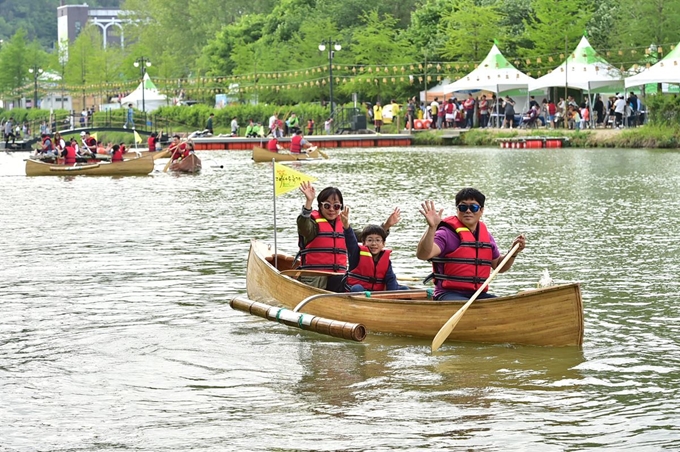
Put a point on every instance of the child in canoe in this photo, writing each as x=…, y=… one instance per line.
x=369, y=263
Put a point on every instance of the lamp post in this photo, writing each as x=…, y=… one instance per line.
x=654, y=53
x=36, y=71
x=143, y=63
x=332, y=47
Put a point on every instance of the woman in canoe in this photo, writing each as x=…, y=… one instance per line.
x=460, y=247
x=321, y=237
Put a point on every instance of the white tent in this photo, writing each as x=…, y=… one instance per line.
x=584, y=69
x=665, y=71
x=152, y=99
x=495, y=73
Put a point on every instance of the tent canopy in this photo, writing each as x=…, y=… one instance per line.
x=584, y=69
x=495, y=74
x=152, y=98
x=666, y=70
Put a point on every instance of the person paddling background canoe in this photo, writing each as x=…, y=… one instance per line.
x=460, y=247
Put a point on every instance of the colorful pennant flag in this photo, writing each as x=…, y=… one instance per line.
x=286, y=179
x=138, y=139
x=94, y=135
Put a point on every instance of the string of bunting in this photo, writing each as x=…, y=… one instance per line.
x=318, y=76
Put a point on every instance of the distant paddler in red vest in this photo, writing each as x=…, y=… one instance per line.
x=151, y=142
x=89, y=143
x=70, y=153
x=273, y=145
x=175, y=148
x=47, y=146
x=298, y=143
x=460, y=247
x=116, y=154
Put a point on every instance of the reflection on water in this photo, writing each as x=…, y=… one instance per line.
x=115, y=331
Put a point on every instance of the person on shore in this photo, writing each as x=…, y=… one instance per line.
x=370, y=267
x=129, y=118
x=509, y=112
x=234, y=127
x=321, y=237
x=209, y=123
x=328, y=126
x=462, y=250
x=293, y=124
x=377, y=117
x=251, y=131
x=310, y=126
x=9, y=132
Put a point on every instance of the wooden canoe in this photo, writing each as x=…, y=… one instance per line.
x=262, y=155
x=189, y=164
x=550, y=316
x=135, y=167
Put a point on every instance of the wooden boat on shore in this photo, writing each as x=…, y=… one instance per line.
x=550, y=316
x=261, y=155
x=135, y=167
x=189, y=164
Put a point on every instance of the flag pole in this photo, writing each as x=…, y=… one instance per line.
x=276, y=254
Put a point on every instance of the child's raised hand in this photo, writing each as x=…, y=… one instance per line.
x=308, y=190
x=393, y=219
x=344, y=217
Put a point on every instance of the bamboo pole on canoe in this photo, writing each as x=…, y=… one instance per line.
x=445, y=330
x=329, y=327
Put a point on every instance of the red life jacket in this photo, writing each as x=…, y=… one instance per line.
x=370, y=274
x=117, y=155
x=50, y=147
x=271, y=145
x=469, y=265
x=327, y=251
x=123, y=149
x=296, y=144
x=152, y=144
x=69, y=155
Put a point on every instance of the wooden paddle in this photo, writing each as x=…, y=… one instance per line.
x=323, y=154
x=445, y=330
x=167, y=165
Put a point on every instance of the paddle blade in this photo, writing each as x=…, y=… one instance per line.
x=446, y=330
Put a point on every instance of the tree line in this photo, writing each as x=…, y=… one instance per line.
x=269, y=49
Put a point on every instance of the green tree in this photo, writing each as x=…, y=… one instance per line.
x=470, y=30
x=549, y=23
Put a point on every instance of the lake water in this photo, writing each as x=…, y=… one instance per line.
x=116, y=334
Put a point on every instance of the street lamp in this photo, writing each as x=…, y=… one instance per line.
x=36, y=71
x=331, y=54
x=143, y=63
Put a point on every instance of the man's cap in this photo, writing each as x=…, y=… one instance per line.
x=82, y=134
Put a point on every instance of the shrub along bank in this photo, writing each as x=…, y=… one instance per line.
x=648, y=136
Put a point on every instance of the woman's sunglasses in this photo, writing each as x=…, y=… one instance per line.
x=329, y=206
x=474, y=208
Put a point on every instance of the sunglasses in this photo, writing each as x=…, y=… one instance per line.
x=329, y=206
x=474, y=208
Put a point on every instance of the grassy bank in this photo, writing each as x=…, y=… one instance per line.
x=649, y=136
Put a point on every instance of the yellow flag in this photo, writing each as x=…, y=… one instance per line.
x=286, y=179
x=94, y=135
x=138, y=139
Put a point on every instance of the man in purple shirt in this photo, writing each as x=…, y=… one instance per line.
x=461, y=249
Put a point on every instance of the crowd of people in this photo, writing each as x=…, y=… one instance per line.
x=460, y=247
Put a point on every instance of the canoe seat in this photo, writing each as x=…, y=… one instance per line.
x=284, y=261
